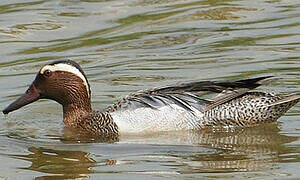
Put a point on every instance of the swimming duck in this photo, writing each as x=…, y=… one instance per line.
x=176, y=107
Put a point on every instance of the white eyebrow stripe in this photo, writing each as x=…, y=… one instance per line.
x=67, y=68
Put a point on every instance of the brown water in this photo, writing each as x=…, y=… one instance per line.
x=124, y=46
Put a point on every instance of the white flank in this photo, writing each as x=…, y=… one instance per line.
x=67, y=68
x=166, y=118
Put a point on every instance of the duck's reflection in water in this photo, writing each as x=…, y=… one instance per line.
x=244, y=150
x=253, y=149
x=60, y=164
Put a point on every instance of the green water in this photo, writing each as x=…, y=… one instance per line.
x=125, y=46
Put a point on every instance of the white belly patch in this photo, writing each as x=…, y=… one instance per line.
x=165, y=118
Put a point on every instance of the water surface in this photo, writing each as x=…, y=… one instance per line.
x=125, y=46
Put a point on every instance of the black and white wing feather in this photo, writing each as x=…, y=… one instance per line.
x=190, y=96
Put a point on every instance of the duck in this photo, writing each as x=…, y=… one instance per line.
x=196, y=105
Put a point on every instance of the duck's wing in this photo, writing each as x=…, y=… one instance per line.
x=225, y=90
x=185, y=100
x=190, y=95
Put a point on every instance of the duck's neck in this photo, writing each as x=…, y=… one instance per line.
x=74, y=113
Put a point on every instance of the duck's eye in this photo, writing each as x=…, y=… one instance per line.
x=47, y=73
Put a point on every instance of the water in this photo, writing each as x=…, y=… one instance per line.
x=125, y=46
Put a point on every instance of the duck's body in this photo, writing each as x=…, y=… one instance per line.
x=251, y=109
x=170, y=108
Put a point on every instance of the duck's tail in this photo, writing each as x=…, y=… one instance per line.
x=287, y=98
x=252, y=109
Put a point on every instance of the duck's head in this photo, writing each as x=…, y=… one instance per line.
x=62, y=81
